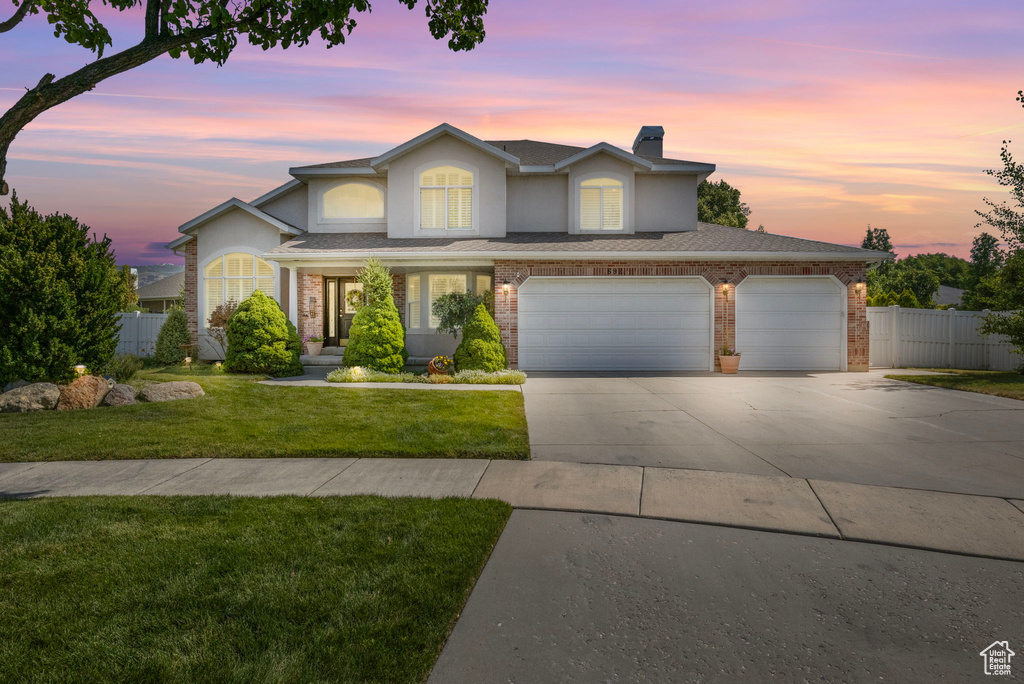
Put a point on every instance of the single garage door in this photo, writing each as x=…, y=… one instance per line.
x=790, y=323
x=587, y=323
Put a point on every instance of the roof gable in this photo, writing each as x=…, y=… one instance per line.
x=198, y=222
x=383, y=160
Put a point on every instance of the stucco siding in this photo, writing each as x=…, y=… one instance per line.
x=538, y=204
x=665, y=203
x=595, y=167
x=403, y=188
x=292, y=208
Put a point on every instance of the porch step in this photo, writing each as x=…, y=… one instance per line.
x=334, y=351
x=331, y=360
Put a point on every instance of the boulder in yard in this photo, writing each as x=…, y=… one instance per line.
x=15, y=385
x=169, y=391
x=120, y=395
x=84, y=393
x=39, y=396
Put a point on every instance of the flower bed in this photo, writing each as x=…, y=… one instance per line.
x=468, y=377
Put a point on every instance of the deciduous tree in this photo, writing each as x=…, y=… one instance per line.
x=203, y=31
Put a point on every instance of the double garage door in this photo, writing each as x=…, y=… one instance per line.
x=666, y=324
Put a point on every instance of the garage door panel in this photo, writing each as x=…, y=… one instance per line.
x=790, y=323
x=619, y=323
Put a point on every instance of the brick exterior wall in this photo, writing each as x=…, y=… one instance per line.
x=718, y=273
x=312, y=285
x=190, y=249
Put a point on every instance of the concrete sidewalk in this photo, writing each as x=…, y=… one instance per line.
x=973, y=525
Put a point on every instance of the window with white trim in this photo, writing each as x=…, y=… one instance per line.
x=442, y=285
x=235, y=276
x=601, y=204
x=354, y=200
x=446, y=199
x=412, y=298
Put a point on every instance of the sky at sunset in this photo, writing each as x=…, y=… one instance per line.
x=827, y=115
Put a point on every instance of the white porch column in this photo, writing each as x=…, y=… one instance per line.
x=293, y=295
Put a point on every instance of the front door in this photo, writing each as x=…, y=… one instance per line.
x=338, y=309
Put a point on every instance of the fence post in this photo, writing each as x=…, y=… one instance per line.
x=952, y=339
x=894, y=336
x=985, y=343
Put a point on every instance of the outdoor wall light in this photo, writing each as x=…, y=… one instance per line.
x=80, y=369
x=312, y=307
x=860, y=286
x=505, y=287
x=725, y=290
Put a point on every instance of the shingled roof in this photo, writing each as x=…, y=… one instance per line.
x=707, y=238
x=165, y=288
x=529, y=152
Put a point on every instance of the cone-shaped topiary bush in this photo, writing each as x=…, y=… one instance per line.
x=376, y=339
x=261, y=339
x=173, y=334
x=481, y=347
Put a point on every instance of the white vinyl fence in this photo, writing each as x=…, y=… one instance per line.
x=930, y=338
x=138, y=333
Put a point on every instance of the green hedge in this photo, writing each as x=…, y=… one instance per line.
x=481, y=347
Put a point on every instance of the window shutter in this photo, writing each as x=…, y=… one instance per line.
x=413, y=300
x=612, y=206
x=214, y=295
x=590, y=209
x=483, y=284
x=460, y=208
x=264, y=269
x=442, y=285
x=215, y=268
x=432, y=208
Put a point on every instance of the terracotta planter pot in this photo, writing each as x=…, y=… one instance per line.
x=434, y=370
x=314, y=348
x=730, y=364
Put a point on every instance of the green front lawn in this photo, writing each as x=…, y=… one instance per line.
x=1000, y=384
x=218, y=589
x=240, y=418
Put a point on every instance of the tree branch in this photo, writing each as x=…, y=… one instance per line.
x=19, y=14
x=152, y=19
x=49, y=93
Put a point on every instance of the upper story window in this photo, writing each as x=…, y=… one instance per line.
x=601, y=204
x=446, y=199
x=233, y=277
x=353, y=200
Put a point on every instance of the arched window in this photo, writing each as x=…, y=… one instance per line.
x=354, y=201
x=601, y=204
x=233, y=277
x=446, y=199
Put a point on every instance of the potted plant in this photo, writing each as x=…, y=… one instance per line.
x=440, y=365
x=729, y=359
x=314, y=344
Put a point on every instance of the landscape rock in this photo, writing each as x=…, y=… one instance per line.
x=170, y=391
x=15, y=385
x=39, y=396
x=84, y=393
x=120, y=395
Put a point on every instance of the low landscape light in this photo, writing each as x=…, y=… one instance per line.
x=188, y=361
x=80, y=369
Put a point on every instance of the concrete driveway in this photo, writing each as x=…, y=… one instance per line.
x=575, y=597
x=846, y=427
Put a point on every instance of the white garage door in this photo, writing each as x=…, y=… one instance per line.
x=790, y=323
x=588, y=323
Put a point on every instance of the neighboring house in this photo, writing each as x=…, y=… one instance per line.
x=948, y=296
x=159, y=296
x=595, y=256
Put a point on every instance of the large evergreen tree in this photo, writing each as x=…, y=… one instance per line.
x=60, y=293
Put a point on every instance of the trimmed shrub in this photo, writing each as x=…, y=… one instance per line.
x=262, y=340
x=376, y=339
x=173, y=334
x=481, y=347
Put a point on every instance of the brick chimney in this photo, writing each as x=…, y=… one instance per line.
x=649, y=141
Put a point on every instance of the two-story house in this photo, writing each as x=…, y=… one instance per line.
x=595, y=257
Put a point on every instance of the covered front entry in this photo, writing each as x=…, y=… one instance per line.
x=338, y=308
x=615, y=323
x=791, y=323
